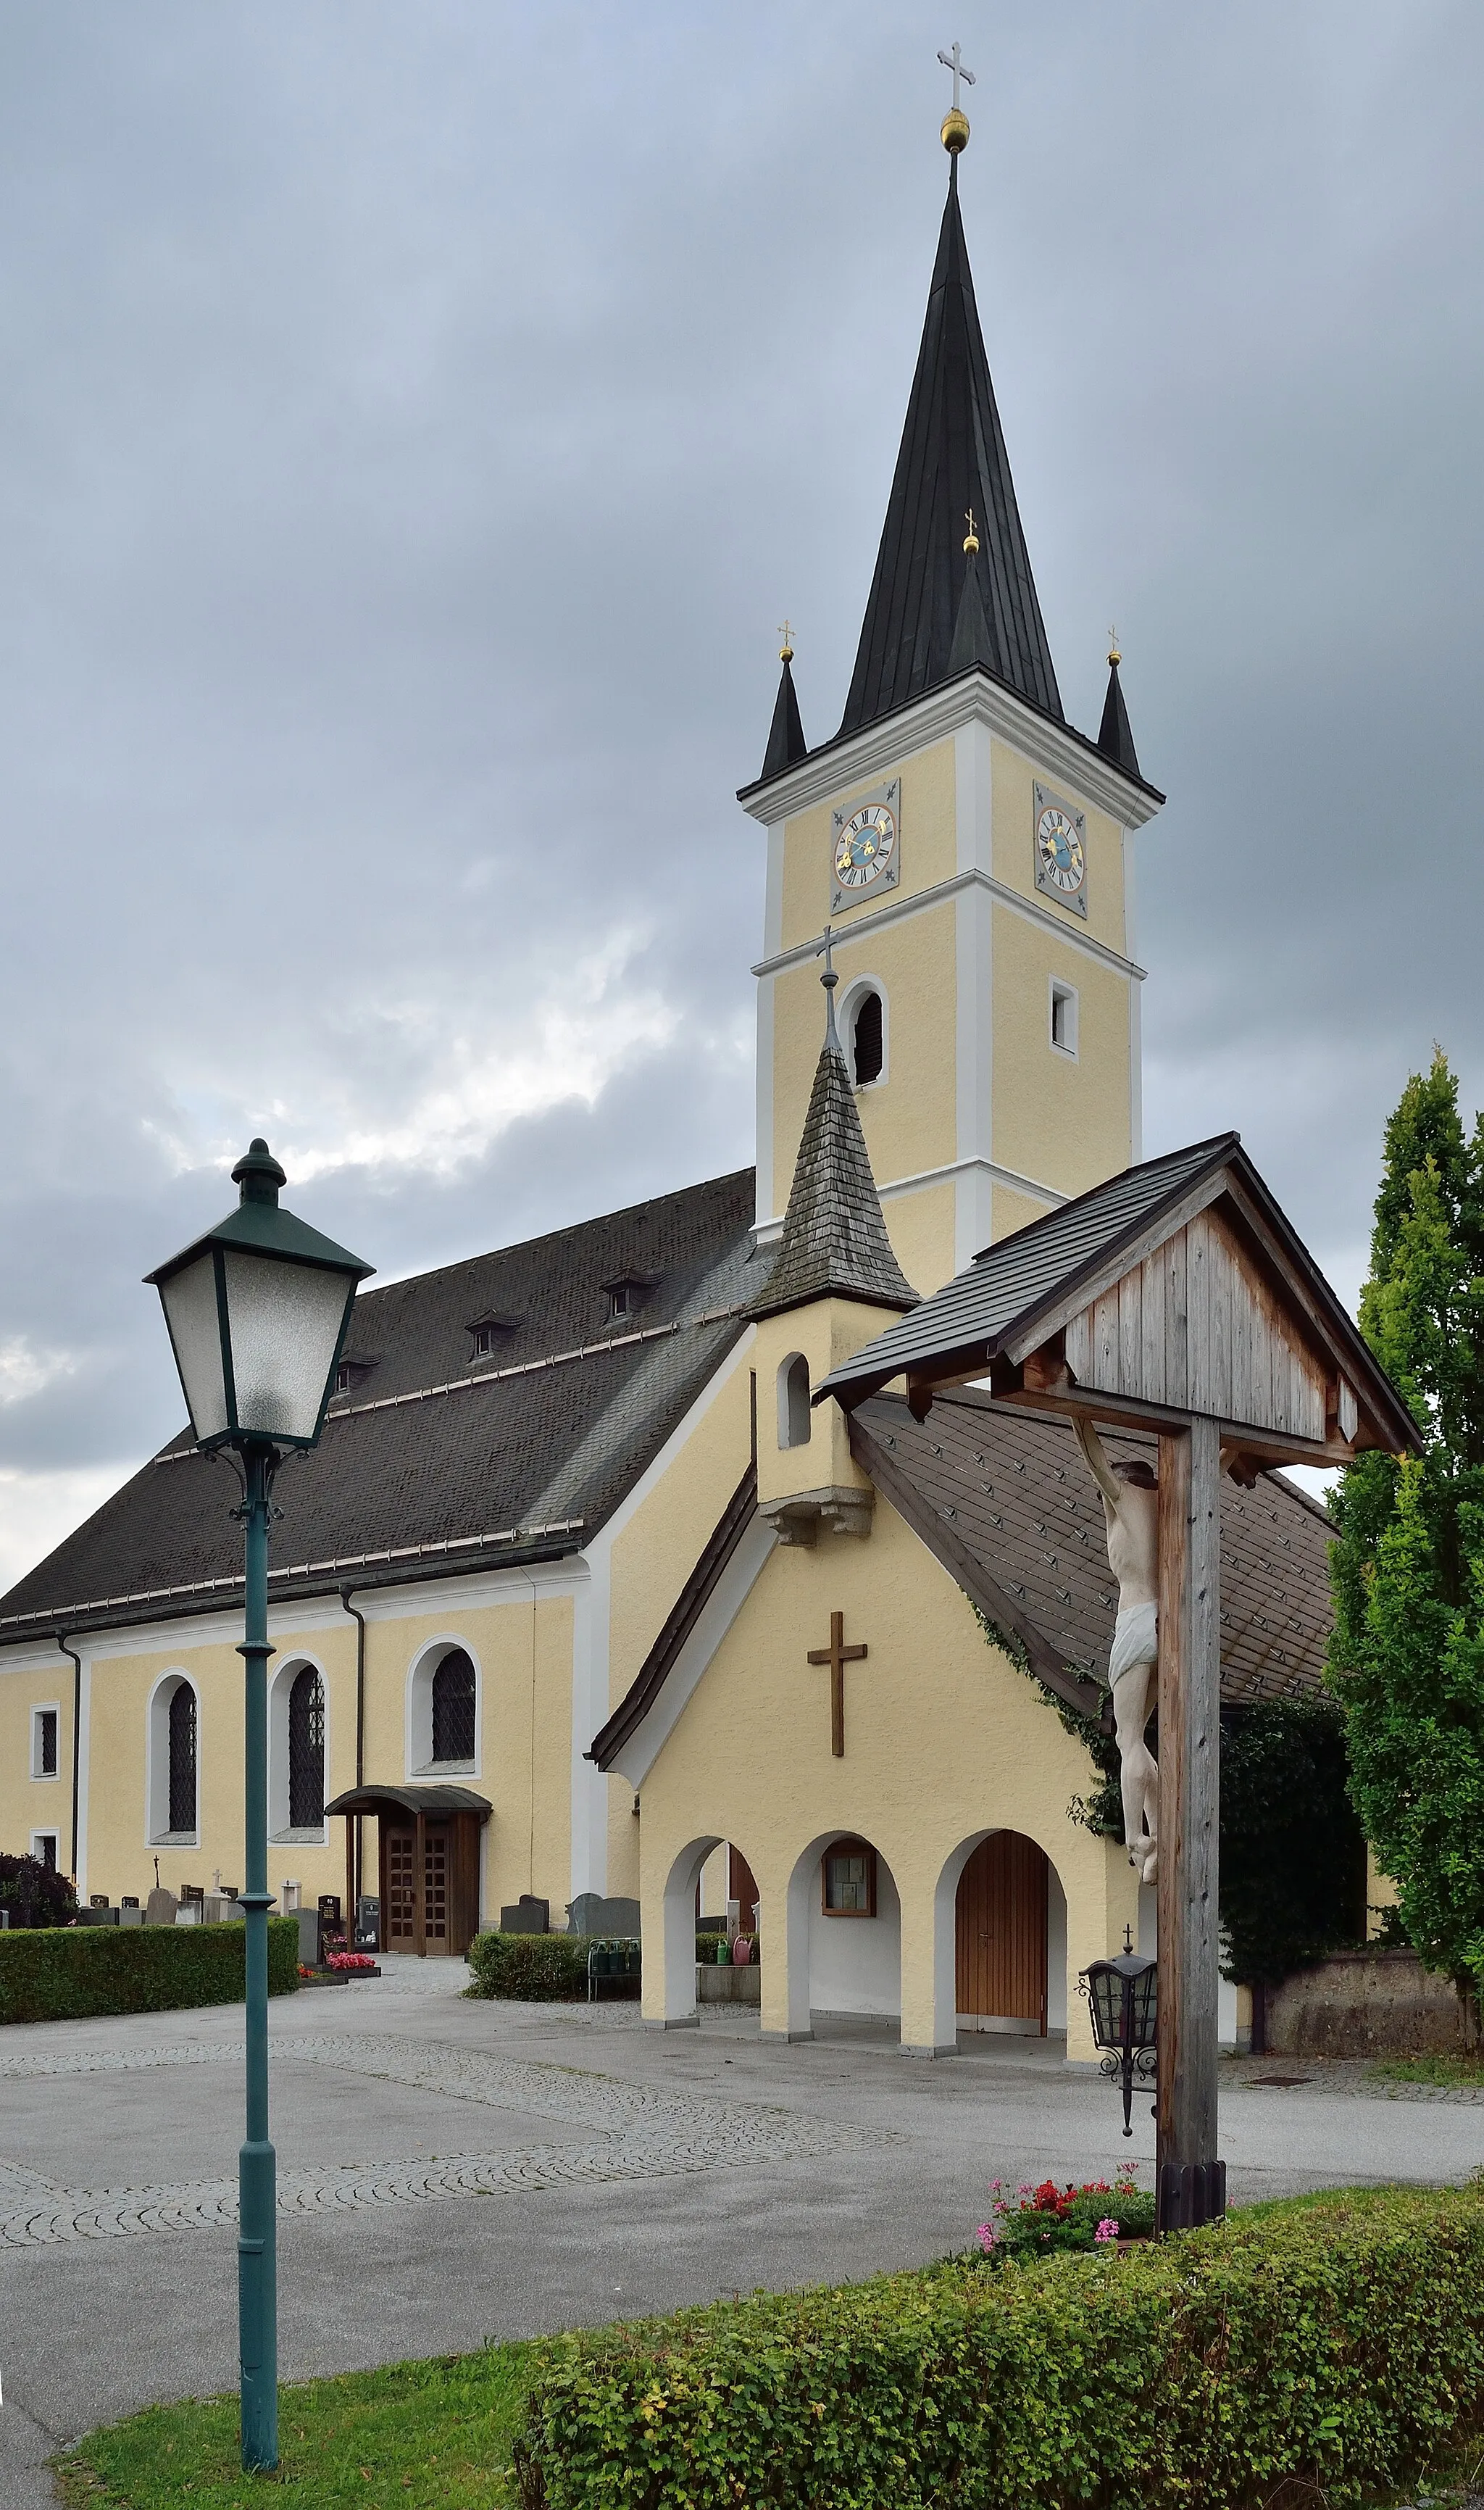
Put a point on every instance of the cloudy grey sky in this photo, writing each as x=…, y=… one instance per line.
x=414, y=420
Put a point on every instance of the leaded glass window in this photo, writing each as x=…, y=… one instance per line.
x=453, y=1708
x=306, y=1750
x=182, y=1757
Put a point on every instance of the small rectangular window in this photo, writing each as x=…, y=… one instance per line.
x=44, y=1743
x=850, y=1880
x=1063, y=1018
x=44, y=1849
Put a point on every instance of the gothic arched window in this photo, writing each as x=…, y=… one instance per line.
x=794, y=1419
x=183, y=1758
x=306, y=1750
x=867, y=1041
x=453, y=1708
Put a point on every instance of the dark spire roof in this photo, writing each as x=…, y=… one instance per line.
x=952, y=460
x=834, y=1242
x=786, y=743
x=1113, y=737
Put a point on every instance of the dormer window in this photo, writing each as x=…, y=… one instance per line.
x=488, y=1333
x=625, y=1293
x=351, y=1371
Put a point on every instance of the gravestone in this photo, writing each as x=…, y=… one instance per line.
x=131, y=1914
x=528, y=1917
x=368, y=1924
x=161, y=1907
x=310, y=1945
x=590, y=1913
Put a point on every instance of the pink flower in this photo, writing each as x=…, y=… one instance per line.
x=986, y=2237
x=1107, y=2229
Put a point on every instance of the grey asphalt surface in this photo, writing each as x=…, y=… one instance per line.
x=94, y=2326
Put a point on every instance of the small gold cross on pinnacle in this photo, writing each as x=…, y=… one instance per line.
x=970, y=537
x=1114, y=655
x=786, y=650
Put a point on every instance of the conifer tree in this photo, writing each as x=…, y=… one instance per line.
x=1407, y=1655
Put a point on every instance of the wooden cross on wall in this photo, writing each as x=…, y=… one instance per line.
x=837, y=1655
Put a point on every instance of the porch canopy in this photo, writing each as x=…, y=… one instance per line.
x=1177, y=1298
x=436, y=1881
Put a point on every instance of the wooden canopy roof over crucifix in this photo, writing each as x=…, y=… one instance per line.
x=1177, y=1289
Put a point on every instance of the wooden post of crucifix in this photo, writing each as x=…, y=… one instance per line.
x=837, y=1655
x=1178, y=1303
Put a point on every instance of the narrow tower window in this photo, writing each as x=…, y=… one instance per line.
x=306, y=1751
x=183, y=1758
x=453, y=1708
x=866, y=1039
x=1063, y=1018
x=795, y=1420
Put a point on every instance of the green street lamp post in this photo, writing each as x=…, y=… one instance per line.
x=257, y=1312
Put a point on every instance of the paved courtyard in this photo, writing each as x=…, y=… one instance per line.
x=451, y=2171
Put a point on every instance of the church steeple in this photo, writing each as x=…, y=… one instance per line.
x=834, y=1242
x=1113, y=737
x=786, y=743
x=952, y=462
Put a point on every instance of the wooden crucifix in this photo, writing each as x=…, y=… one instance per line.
x=1176, y=1302
x=837, y=1655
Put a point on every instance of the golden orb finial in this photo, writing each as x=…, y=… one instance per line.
x=970, y=537
x=786, y=650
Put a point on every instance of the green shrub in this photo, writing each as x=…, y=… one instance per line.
x=65, y=1973
x=35, y=1894
x=535, y=1969
x=1340, y=2345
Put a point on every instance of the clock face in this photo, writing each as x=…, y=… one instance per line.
x=1061, y=858
x=865, y=846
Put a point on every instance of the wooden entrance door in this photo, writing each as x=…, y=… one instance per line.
x=450, y=1883
x=1001, y=1932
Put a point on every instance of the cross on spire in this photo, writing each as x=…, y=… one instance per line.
x=837, y=1655
x=786, y=651
x=952, y=61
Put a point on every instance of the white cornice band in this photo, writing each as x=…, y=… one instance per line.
x=932, y=717
x=803, y=952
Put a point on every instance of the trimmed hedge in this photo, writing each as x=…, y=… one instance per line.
x=65, y=1974
x=535, y=1969
x=1339, y=2342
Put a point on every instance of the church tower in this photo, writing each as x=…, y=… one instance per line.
x=971, y=851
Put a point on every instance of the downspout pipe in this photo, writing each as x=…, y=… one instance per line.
x=77, y=1737
x=346, y=1592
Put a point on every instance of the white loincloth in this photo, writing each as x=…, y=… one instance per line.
x=1135, y=1640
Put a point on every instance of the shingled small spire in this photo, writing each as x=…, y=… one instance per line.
x=786, y=743
x=1113, y=737
x=952, y=456
x=834, y=1243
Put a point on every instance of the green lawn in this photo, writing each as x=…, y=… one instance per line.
x=1431, y=2069
x=422, y=2433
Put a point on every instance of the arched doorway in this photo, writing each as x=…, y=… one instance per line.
x=1000, y=1949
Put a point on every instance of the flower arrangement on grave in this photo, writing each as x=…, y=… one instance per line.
x=1051, y=2220
x=349, y=1961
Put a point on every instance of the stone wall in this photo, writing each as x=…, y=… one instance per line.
x=1370, y=2003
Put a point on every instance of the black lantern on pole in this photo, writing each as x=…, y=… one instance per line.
x=1123, y=1997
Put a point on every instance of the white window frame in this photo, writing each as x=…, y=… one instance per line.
x=845, y=1022
x=55, y=1836
x=283, y=1680
x=157, y=1761
x=44, y=1708
x=1059, y=993
x=420, y=1762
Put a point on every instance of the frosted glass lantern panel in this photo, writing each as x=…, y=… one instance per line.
x=189, y=1299
x=286, y=1325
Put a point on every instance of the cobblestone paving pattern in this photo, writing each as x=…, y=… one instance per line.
x=634, y=2131
x=1351, y=2075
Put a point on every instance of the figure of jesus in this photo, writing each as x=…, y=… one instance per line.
x=1131, y=1509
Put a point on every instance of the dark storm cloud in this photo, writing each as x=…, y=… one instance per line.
x=414, y=424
